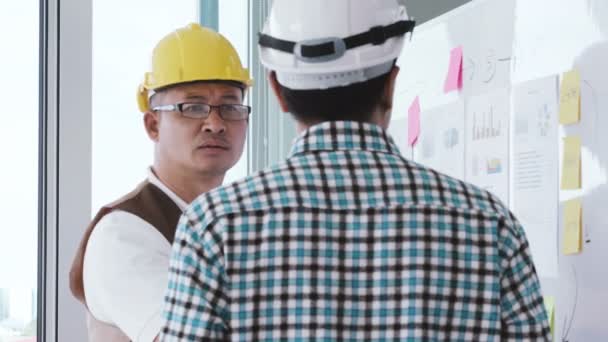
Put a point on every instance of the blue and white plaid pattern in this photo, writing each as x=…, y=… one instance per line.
x=347, y=240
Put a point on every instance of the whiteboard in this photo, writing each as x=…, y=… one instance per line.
x=507, y=43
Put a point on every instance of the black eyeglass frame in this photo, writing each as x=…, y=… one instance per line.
x=243, y=110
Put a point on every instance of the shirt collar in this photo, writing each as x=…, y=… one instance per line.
x=153, y=179
x=344, y=135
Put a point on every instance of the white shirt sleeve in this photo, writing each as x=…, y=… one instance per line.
x=125, y=274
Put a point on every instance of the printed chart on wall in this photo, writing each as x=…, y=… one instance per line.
x=487, y=146
x=441, y=141
x=536, y=169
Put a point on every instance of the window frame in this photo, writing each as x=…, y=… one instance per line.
x=64, y=161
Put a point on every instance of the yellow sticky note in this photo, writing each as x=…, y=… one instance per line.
x=550, y=308
x=571, y=168
x=570, y=98
x=572, y=227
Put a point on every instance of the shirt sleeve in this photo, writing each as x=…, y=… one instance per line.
x=125, y=274
x=196, y=303
x=523, y=315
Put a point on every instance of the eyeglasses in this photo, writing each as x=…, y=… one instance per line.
x=228, y=112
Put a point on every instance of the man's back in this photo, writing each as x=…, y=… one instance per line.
x=347, y=240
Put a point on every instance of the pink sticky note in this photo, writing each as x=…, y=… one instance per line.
x=454, y=79
x=413, y=126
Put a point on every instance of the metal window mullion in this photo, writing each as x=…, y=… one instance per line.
x=258, y=149
x=209, y=14
x=47, y=172
x=67, y=101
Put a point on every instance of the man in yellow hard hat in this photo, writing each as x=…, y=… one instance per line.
x=192, y=101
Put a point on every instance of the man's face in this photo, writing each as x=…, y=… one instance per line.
x=208, y=146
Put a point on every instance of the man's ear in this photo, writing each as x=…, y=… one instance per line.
x=152, y=123
x=389, y=88
x=274, y=84
x=386, y=106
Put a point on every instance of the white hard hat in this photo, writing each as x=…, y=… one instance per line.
x=319, y=44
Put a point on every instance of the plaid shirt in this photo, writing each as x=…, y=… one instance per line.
x=347, y=240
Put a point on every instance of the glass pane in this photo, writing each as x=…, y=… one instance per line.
x=234, y=25
x=19, y=25
x=124, y=34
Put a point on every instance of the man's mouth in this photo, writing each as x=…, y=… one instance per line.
x=212, y=145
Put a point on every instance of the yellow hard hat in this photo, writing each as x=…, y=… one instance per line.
x=191, y=53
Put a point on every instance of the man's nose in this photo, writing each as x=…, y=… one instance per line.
x=214, y=122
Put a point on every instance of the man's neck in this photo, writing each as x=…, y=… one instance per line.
x=186, y=185
x=378, y=118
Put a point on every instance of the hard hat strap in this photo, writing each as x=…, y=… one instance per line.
x=377, y=35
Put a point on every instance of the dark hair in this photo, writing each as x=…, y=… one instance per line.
x=354, y=102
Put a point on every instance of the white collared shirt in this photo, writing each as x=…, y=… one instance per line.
x=125, y=271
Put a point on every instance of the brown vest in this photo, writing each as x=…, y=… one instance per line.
x=150, y=204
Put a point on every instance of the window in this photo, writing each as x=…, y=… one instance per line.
x=233, y=23
x=19, y=22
